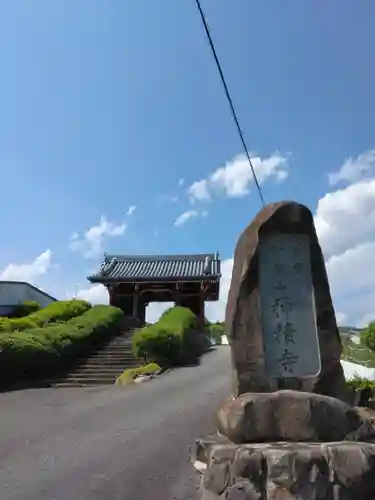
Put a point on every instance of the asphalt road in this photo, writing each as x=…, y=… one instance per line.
x=110, y=443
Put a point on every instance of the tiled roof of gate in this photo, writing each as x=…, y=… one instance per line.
x=158, y=267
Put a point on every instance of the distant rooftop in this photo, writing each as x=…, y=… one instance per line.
x=129, y=268
x=29, y=285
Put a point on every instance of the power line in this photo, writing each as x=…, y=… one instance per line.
x=229, y=99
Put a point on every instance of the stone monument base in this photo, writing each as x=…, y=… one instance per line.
x=288, y=445
x=287, y=471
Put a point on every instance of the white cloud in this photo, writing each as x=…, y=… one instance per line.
x=184, y=217
x=345, y=223
x=28, y=272
x=234, y=179
x=353, y=269
x=96, y=294
x=181, y=182
x=131, y=210
x=199, y=190
x=346, y=217
x=355, y=169
x=91, y=242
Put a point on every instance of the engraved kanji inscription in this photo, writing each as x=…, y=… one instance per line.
x=287, y=360
x=298, y=267
x=281, y=306
x=289, y=323
x=280, y=286
x=285, y=332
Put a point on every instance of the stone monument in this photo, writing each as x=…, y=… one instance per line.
x=280, y=320
x=289, y=431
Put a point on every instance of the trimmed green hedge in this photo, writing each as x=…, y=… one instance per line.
x=368, y=336
x=13, y=324
x=358, y=383
x=128, y=376
x=171, y=341
x=62, y=310
x=37, y=352
x=56, y=312
x=215, y=331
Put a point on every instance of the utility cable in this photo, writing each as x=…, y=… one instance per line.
x=229, y=99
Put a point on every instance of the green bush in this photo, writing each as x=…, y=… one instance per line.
x=178, y=319
x=40, y=351
x=368, y=336
x=14, y=324
x=358, y=383
x=170, y=341
x=56, y=312
x=62, y=310
x=128, y=376
x=215, y=331
x=26, y=308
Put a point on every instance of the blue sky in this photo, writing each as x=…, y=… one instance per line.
x=108, y=105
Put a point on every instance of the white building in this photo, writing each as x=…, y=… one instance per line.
x=13, y=293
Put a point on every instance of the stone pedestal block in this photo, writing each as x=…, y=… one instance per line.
x=290, y=471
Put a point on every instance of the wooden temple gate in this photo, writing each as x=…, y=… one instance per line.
x=135, y=281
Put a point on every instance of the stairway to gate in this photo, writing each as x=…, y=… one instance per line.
x=104, y=365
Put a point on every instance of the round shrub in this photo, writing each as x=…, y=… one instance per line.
x=62, y=310
x=16, y=324
x=368, y=336
x=172, y=341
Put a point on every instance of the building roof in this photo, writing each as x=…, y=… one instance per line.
x=29, y=285
x=130, y=268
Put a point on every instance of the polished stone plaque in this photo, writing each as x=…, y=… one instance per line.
x=288, y=307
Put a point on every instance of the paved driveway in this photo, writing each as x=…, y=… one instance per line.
x=108, y=443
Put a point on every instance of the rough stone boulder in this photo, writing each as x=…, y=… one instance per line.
x=290, y=471
x=291, y=416
x=288, y=222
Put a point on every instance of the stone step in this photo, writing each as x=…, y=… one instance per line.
x=115, y=348
x=119, y=346
x=98, y=369
x=90, y=380
x=102, y=366
x=105, y=367
x=106, y=361
x=95, y=375
x=117, y=355
x=112, y=356
x=120, y=343
x=112, y=351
